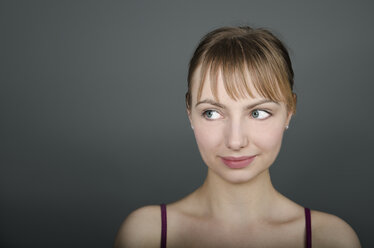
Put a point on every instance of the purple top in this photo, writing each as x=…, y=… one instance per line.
x=163, y=225
x=308, y=227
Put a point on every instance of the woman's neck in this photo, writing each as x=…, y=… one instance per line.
x=244, y=202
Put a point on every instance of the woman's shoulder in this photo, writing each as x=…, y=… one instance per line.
x=141, y=228
x=331, y=231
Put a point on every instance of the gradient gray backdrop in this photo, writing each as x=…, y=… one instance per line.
x=93, y=122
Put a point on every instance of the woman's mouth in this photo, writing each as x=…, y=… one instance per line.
x=237, y=162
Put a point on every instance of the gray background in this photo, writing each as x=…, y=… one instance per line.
x=93, y=123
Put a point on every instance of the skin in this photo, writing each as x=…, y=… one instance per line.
x=235, y=207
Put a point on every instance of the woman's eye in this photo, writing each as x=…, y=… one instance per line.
x=211, y=114
x=259, y=114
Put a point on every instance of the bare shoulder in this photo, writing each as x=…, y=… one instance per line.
x=331, y=231
x=142, y=228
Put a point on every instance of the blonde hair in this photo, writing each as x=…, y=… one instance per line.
x=234, y=51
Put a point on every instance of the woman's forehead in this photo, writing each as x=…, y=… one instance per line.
x=214, y=87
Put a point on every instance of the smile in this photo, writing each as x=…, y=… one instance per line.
x=237, y=162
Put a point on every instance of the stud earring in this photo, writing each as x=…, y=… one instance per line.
x=286, y=127
x=192, y=127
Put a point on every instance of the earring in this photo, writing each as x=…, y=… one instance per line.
x=192, y=127
x=286, y=127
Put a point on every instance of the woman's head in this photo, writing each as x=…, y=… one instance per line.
x=240, y=53
x=240, y=100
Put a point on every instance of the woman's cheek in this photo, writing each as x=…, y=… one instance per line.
x=207, y=136
x=270, y=138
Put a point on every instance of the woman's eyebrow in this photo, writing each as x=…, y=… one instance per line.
x=261, y=102
x=209, y=101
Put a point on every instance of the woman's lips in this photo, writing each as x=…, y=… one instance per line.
x=237, y=162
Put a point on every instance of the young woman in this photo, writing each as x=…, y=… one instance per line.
x=239, y=102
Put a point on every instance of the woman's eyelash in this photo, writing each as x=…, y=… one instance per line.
x=205, y=112
x=260, y=114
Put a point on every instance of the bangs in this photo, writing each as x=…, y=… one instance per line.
x=241, y=63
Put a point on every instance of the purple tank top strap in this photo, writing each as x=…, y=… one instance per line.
x=308, y=228
x=163, y=225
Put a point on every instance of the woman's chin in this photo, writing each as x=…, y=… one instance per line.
x=237, y=176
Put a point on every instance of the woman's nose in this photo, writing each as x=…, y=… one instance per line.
x=236, y=135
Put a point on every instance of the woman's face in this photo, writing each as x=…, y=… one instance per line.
x=237, y=139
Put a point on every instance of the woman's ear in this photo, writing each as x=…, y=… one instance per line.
x=290, y=113
x=189, y=116
x=294, y=101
